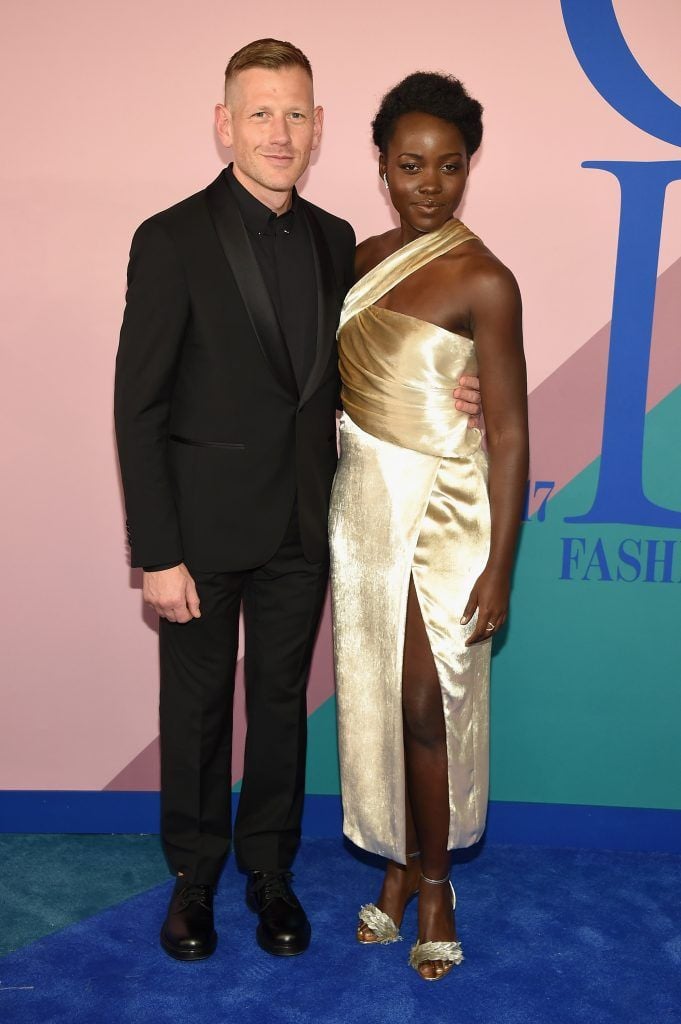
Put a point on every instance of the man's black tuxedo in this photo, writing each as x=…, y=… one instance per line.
x=214, y=438
x=227, y=467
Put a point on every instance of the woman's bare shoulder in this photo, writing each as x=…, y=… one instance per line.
x=372, y=250
x=484, y=273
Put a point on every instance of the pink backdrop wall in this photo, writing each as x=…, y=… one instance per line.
x=109, y=118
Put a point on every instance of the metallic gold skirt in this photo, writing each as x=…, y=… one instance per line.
x=397, y=512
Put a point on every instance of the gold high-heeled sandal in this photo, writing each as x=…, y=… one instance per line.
x=381, y=926
x=448, y=953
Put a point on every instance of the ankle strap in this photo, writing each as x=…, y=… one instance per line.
x=436, y=881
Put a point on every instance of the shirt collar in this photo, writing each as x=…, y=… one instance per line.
x=256, y=216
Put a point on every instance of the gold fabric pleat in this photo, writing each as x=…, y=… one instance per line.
x=409, y=498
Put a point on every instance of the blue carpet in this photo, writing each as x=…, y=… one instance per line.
x=550, y=936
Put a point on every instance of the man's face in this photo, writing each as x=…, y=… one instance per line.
x=271, y=124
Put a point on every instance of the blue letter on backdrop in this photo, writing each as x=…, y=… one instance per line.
x=612, y=69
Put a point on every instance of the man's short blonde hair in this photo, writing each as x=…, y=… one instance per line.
x=273, y=54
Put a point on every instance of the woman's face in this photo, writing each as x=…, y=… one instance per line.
x=427, y=170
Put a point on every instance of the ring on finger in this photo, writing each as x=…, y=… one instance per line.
x=490, y=625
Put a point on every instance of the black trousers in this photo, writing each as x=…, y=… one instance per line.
x=282, y=602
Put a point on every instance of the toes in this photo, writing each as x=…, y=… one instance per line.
x=430, y=970
x=365, y=934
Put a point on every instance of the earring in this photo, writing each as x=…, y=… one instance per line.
x=385, y=179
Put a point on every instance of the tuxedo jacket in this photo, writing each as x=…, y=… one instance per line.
x=214, y=439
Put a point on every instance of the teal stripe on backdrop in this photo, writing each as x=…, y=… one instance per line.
x=322, y=750
x=586, y=692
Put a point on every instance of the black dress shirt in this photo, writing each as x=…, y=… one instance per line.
x=283, y=249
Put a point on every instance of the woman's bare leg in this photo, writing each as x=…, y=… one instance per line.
x=425, y=750
x=399, y=882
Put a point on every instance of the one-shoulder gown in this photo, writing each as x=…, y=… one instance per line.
x=409, y=499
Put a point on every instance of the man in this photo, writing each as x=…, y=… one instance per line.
x=226, y=390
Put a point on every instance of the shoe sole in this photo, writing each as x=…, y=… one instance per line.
x=190, y=954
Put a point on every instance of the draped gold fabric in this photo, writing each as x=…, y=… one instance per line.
x=409, y=497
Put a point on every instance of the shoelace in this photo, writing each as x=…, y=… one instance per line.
x=193, y=893
x=274, y=887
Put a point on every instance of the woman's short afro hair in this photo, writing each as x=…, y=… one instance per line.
x=426, y=92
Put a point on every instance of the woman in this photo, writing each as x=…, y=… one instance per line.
x=422, y=549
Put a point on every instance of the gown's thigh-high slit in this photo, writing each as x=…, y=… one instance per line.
x=425, y=738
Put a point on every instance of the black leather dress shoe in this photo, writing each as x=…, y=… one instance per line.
x=284, y=929
x=188, y=932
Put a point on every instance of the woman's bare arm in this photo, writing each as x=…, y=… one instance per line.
x=496, y=316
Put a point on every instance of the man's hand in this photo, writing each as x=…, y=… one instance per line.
x=467, y=397
x=172, y=593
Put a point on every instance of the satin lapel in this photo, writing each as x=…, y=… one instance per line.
x=244, y=266
x=327, y=303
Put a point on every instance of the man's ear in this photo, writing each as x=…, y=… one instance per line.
x=317, y=126
x=223, y=124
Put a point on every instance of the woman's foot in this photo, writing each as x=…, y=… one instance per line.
x=399, y=885
x=437, y=923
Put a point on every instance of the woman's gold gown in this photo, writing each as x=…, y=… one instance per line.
x=409, y=498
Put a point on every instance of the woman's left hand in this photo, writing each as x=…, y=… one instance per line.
x=489, y=595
